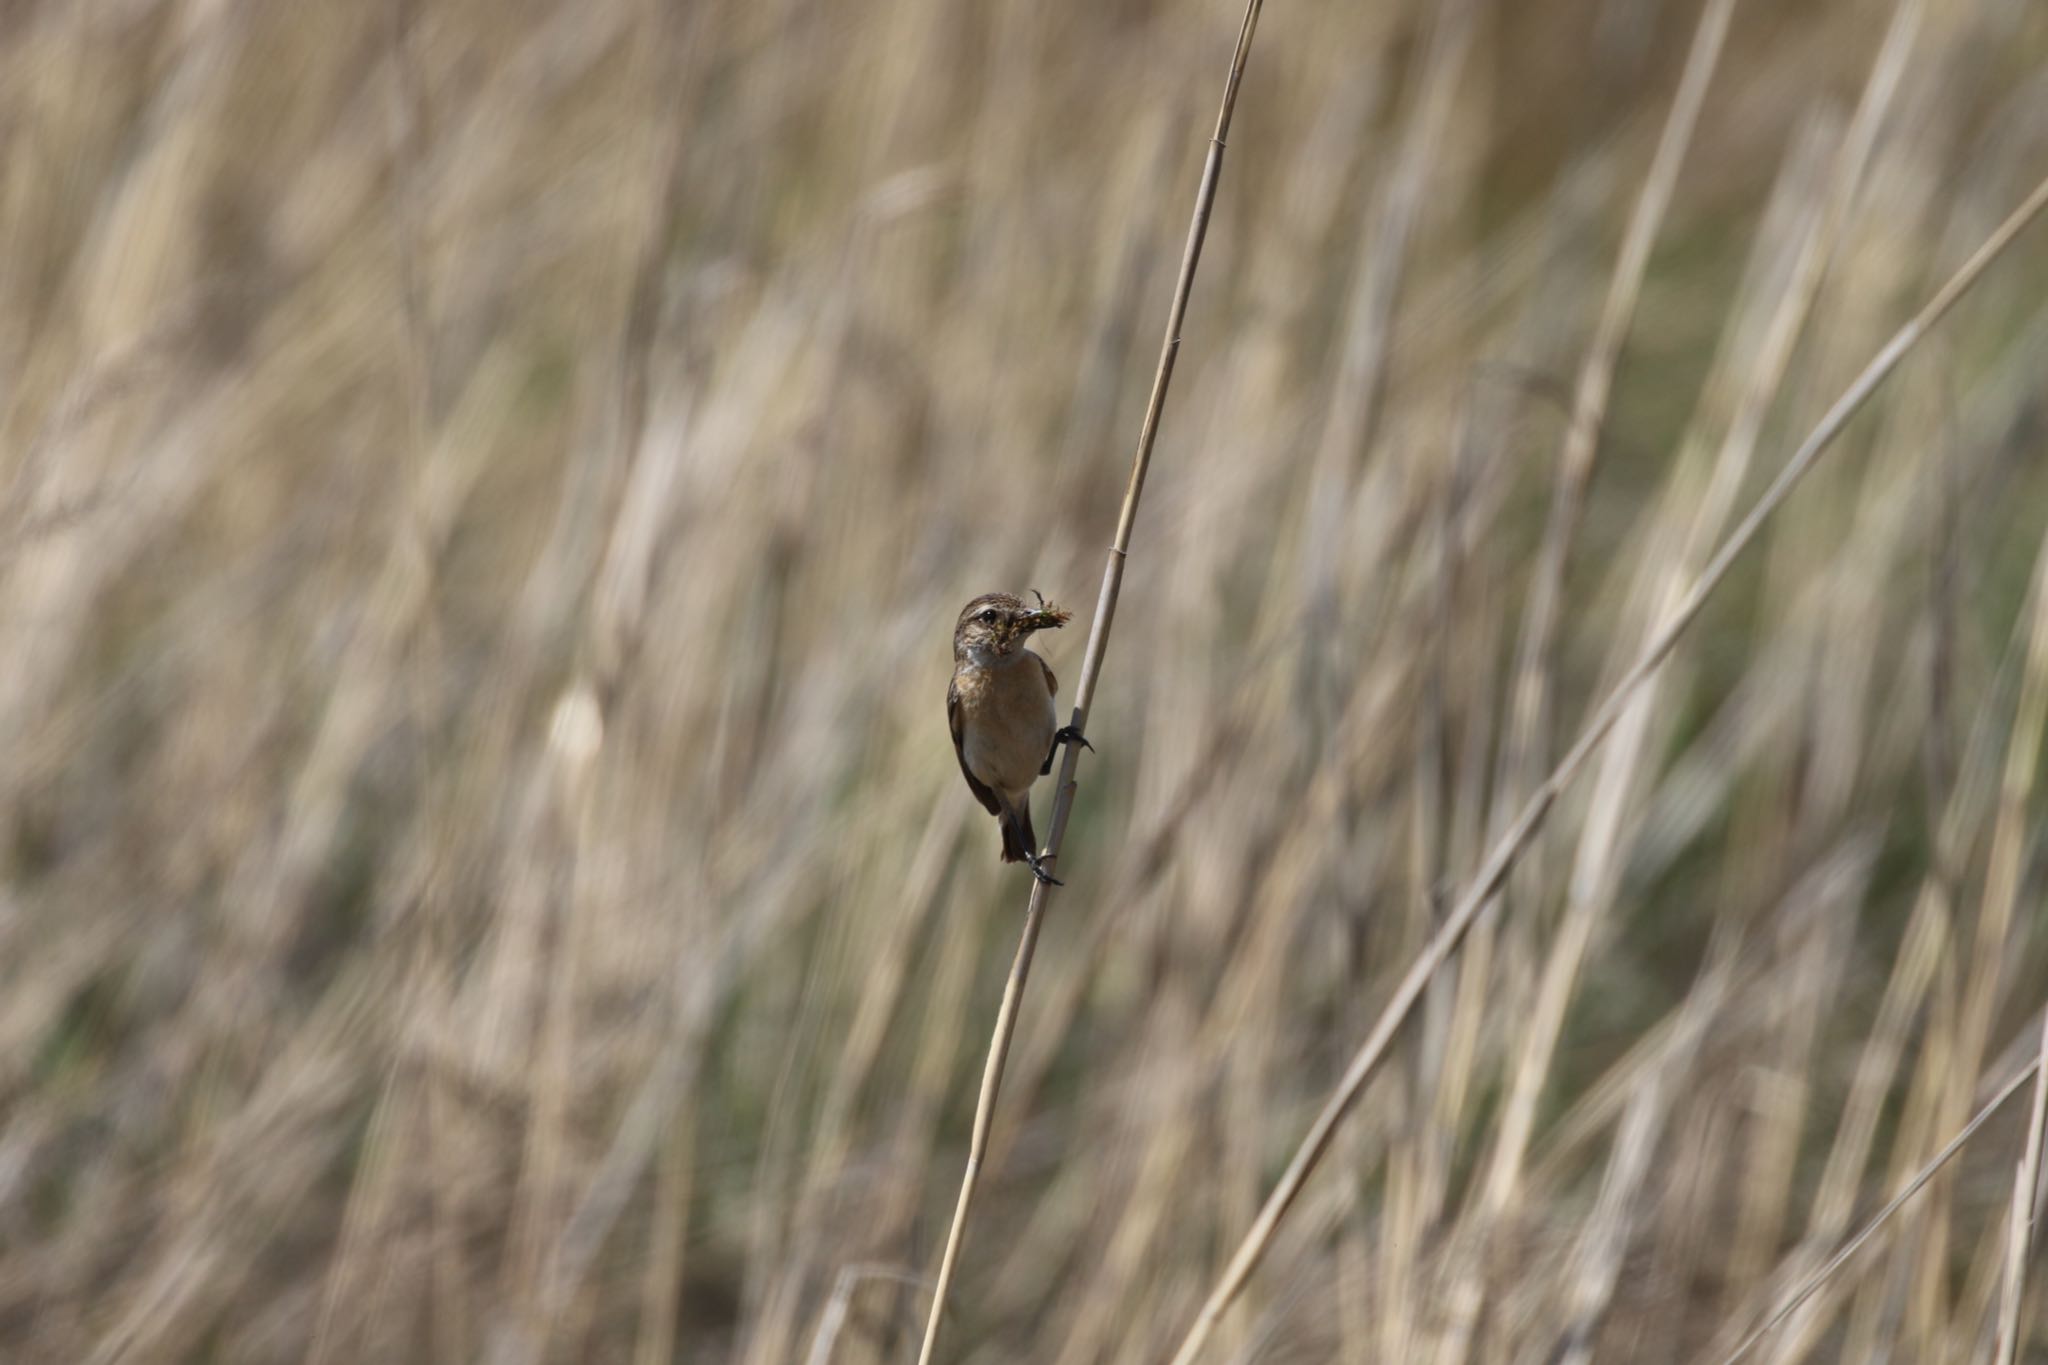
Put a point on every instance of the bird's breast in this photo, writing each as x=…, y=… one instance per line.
x=1007, y=721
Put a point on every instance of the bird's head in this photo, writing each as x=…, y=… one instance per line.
x=996, y=624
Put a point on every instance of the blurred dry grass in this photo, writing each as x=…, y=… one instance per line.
x=487, y=490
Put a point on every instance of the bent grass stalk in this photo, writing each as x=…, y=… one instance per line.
x=1084, y=691
x=1505, y=852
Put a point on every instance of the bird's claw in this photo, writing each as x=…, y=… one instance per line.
x=1038, y=870
x=1066, y=734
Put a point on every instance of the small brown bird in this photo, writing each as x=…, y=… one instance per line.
x=1000, y=708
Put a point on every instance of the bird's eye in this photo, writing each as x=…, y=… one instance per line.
x=989, y=616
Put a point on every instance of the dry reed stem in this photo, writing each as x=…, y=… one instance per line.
x=2021, y=1228
x=2022, y=758
x=1922, y=953
x=1878, y=1220
x=1368, y=332
x=1988, y=950
x=1366, y=1061
x=1590, y=396
x=833, y=1320
x=1084, y=691
x=1527, y=738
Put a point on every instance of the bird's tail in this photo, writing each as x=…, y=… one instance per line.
x=1019, y=843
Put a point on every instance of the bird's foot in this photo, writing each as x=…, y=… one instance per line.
x=1066, y=734
x=1032, y=861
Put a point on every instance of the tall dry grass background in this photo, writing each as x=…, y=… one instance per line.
x=482, y=874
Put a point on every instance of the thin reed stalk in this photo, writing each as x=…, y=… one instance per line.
x=1882, y=1216
x=1505, y=852
x=2025, y=1179
x=1084, y=691
x=2021, y=762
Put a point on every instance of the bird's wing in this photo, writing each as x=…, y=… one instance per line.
x=954, y=722
x=1052, y=683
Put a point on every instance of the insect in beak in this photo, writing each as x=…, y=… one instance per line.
x=1047, y=617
